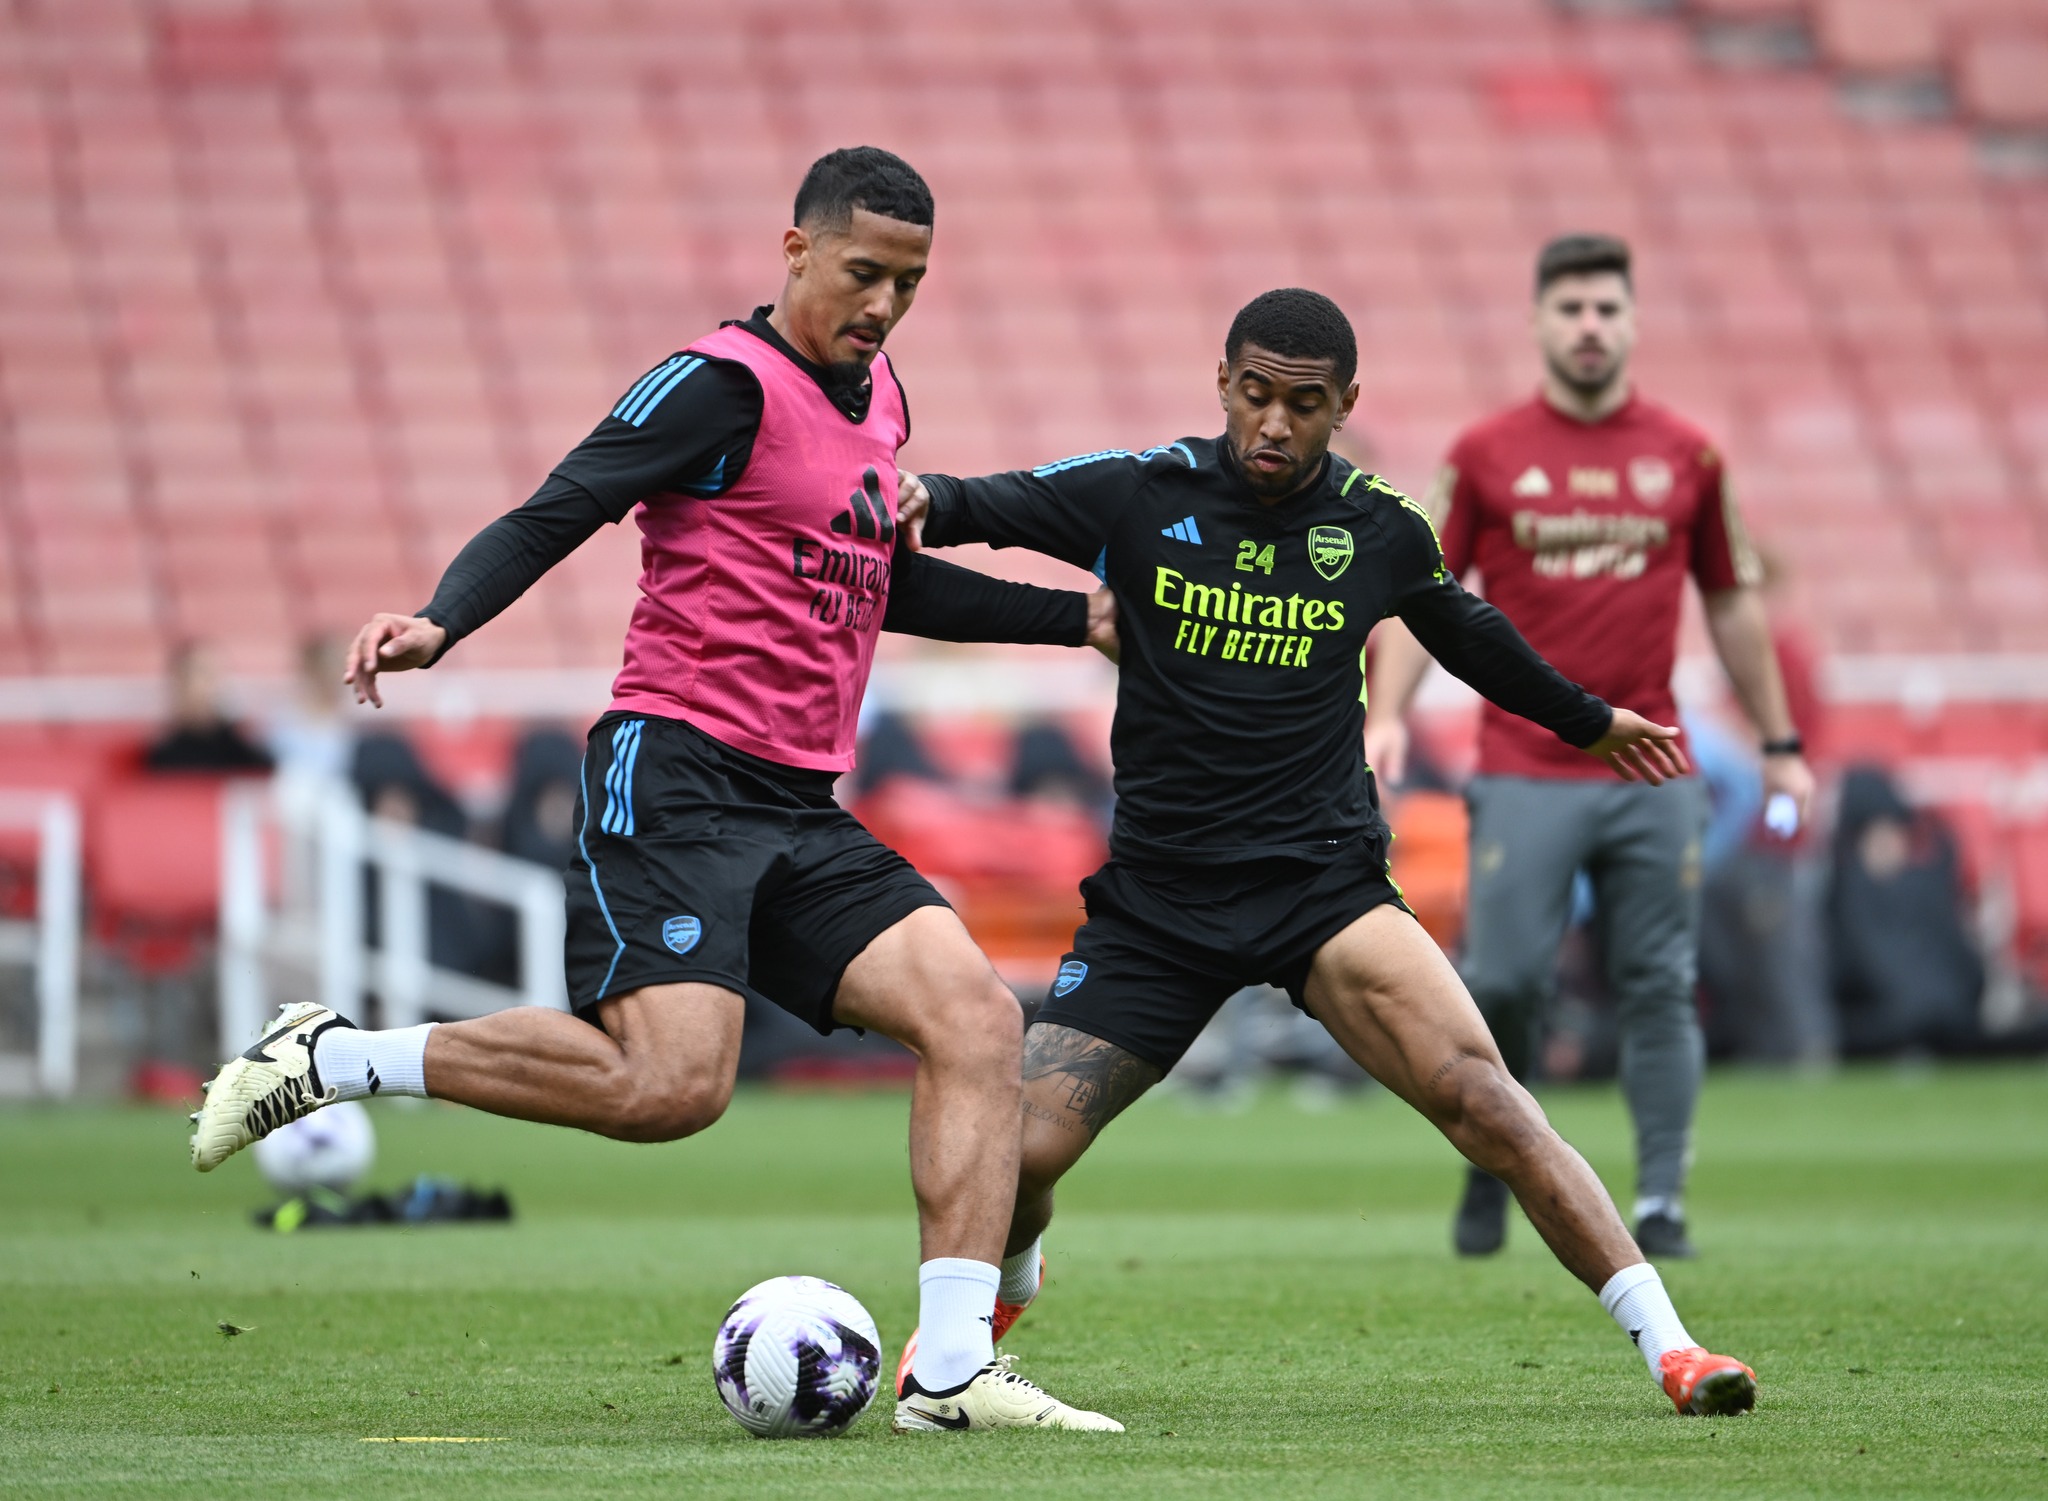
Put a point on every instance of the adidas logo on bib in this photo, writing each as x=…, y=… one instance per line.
x=866, y=514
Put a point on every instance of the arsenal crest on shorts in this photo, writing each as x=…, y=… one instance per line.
x=1329, y=549
x=682, y=933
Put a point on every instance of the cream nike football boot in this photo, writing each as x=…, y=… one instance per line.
x=997, y=1397
x=262, y=1089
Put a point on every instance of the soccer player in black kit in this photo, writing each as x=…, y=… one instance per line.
x=1248, y=845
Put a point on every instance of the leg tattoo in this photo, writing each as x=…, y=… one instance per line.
x=1094, y=1079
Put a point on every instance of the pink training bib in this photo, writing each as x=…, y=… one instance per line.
x=758, y=608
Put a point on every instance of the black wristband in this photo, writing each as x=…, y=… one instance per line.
x=1790, y=745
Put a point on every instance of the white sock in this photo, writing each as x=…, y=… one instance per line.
x=1659, y=1205
x=1636, y=1300
x=1020, y=1274
x=956, y=1308
x=361, y=1064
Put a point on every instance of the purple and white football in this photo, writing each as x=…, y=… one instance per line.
x=797, y=1357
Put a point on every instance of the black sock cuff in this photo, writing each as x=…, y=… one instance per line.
x=910, y=1384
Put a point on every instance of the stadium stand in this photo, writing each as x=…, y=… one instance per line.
x=298, y=294
x=295, y=294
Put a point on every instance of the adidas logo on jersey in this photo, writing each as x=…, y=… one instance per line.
x=1183, y=530
x=1533, y=482
x=866, y=514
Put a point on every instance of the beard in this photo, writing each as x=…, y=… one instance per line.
x=1588, y=386
x=849, y=373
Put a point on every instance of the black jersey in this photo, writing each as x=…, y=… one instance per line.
x=1240, y=706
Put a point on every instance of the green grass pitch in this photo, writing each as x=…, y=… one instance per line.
x=1266, y=1298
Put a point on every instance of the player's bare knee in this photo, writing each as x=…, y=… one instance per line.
x=1490, y=1117
x=974, y=1023
x=669, y=1110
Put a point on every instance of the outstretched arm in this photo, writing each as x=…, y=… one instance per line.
x=674, y=437
x=1480, y=646
x=494, y=568
x=1065, y=510
x=945, y=602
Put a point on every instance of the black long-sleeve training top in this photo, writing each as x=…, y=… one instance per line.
x=691, y=449
x=1240, y=703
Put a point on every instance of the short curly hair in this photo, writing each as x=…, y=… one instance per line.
x=1298, y=323
x=862, y=177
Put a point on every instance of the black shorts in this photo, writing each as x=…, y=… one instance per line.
x=695, y=861
x=1163, y=948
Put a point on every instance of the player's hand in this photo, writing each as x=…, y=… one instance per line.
x=390, y=643
x=1791, y=776
x=913, y=503
x=1640, y=751
x=1102, y=623
x=1386, y=750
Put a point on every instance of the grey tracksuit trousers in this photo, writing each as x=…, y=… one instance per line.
x=1641, y=847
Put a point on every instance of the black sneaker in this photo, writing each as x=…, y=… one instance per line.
x=1662, y=1238
x=1481, y=1227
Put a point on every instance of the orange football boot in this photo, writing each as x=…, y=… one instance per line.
x=1005, y=1320
x=1708, y=1386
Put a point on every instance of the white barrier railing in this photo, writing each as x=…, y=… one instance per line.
x=49, y=942
x=307, y=914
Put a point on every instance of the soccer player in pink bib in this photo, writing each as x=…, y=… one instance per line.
x=713, y=864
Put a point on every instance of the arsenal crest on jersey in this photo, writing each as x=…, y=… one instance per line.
x=1329, y=550
x=1650, y=479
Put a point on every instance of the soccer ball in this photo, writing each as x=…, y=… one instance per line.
x=797, y=1357
x=330, y=1148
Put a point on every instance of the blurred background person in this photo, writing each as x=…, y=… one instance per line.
x=1048, y=766
x=395, y=784
x=1907, y=977
x=540, y=811
x=1584, y=510
x=308, y=734
x=890, y=746
x=200, y=737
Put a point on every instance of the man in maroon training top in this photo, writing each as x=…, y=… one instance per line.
x=1583, y=510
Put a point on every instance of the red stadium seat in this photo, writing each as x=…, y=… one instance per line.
x=1879, y=36
x=152, y=865
x=1999, y=72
